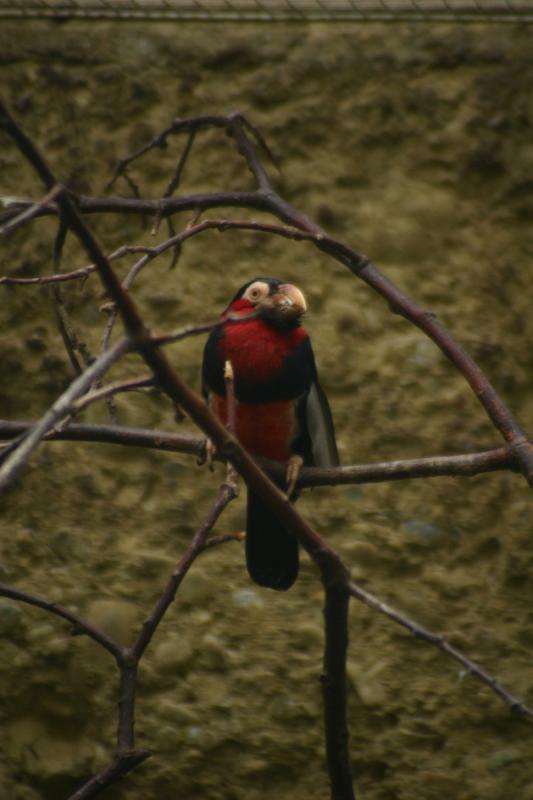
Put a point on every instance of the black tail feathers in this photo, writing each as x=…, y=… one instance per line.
x=271, y=551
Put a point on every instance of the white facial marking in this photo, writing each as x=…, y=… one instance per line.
x=256, y=292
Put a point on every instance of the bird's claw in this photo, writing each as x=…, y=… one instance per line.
x=294, y=466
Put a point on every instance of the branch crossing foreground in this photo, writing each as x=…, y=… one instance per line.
x=21, y=438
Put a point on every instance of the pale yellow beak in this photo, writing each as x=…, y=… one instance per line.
x=287, y=302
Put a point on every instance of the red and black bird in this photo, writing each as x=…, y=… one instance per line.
x=281, y=411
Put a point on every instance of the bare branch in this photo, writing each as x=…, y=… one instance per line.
x=231, y=419
x=31, y=212
x=234, y=124
x=331, y=569
x=70, y=339
x=214, y=541
x=225, y=495
x=399, y=303
x=110, y=390
x=114, y=434
x=119, y=767
x=333, y=681
x=74, y=275
x=80, y=625
x=175, y=180
x=499, y=414
x=465, y=464
x=184, y=333
x=82, y=273
x=438, y=641
x=18, y=457
x=338, y=588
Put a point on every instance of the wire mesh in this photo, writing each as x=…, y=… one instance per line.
x=273, y=10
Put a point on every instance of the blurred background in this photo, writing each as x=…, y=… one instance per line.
x=411, y=142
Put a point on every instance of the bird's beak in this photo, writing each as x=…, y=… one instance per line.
x=287, y=302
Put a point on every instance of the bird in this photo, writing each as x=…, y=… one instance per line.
x=281, y=411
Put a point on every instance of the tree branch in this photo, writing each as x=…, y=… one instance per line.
x=80, y=625
x=337, y=587
x=464, y=464
x=497, y=411
x=168, y=379
x=119, y=767
x=17, y=457
x=110, y=390
x=225, y=495
x=438, y=641
x=333, y=681
x=29, y=213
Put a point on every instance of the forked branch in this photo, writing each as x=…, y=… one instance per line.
x=518, y=452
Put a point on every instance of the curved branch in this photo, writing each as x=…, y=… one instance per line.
x=80, y=625
x=77, y=274
x=438, y=641
x=119, y=767
x=163, y=207
x=331, y=568
x=497, y=411
x=333, y=572
x=111, y=390
x=225, y=495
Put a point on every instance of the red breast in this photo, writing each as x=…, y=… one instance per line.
x=265, y=429
x=256, y=349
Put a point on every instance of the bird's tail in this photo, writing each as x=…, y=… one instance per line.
x=271, y=551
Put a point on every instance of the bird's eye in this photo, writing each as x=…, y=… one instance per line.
x=256, y=291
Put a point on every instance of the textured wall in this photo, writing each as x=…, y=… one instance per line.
x=412, y=144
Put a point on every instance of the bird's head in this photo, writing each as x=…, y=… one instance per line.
x=270, y=299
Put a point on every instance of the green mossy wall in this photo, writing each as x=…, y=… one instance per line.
x=412, y=144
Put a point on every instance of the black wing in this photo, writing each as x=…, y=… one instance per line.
x=316, y=440
x=212, y=368
x=320, y=428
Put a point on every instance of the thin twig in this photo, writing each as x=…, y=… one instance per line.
x=16, y=460
x=214, y=541
x=231, y=406
x=31, y=212
x=438, y=641
x=70, y=339
x=333, y=572
x=235, y=124
x=176, y=178
x=82, y=273
x=74, y=275
x=225, y=495
x=118, y=768
x=231, y=419
x=109, y=390
x=331, y=568
x=499, y=414
x=333, y=681
x=184, y=333
x=80, y=625
x=114, y=434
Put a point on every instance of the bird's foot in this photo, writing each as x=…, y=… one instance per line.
x=294, y=466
